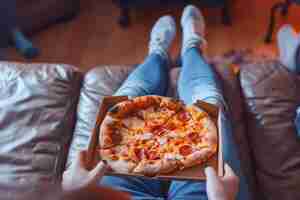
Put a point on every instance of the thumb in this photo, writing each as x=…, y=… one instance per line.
x=211, y=176
x=230, y=176
x=231, y=182
x=214, y=186
x=99, y=170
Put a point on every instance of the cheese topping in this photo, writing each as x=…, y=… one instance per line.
x=162, y=140
x=146, y=136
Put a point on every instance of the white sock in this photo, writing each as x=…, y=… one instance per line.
x=162, y=35
x=193, y=26
x=288, y=43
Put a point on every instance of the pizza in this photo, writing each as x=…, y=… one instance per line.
x=154, y=135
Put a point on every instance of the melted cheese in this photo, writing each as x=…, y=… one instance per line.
x=134, y=123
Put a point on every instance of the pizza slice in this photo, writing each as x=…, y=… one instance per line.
x=191, y=136
x=158, y=114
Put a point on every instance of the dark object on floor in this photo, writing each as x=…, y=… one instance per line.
x=127, y=5
x=23, y=17
x=34, y=15
x=23, y=45
x=284, y=9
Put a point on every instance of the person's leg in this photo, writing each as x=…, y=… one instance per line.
x=138, y=188
x=181, y=190
x=198, y=81
x=151, y=77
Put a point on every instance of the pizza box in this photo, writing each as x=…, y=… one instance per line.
x=195, y=173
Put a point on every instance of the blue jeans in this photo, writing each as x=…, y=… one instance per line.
x=197, y=80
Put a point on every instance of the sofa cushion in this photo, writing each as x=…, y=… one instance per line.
x=98, y=82
x=272, y=96
x=37, y=113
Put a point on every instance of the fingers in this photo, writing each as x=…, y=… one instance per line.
x=230, y=176
x=214, y=186
x=229, y=171
x=99, y=170
x=231, y=182
x=211, y=175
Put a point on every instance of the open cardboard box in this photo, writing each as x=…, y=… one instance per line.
x=194, y=173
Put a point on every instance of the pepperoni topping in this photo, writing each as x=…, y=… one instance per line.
x=185, y=150
x=184, y=116
x=193, y=136
x=140, y=154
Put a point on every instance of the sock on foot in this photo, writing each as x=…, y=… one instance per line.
x=162, y=35
x=193, y=26
x=23, y=45
x=288, y=44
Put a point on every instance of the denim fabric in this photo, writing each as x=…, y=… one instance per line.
x=138, y=188
x=149, y=78
x=197, y=81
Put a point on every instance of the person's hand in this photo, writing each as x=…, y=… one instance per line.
x=221, y=188
x=80, y=183
x=78, y=177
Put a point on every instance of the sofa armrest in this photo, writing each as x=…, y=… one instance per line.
x=37, y=117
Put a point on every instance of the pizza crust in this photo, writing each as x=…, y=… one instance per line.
x=109, y=133
x=196, y=158
x=121, y=166
x=148, y=168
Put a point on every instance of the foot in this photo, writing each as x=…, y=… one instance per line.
x=162, y=35
x=288, y=43
x=193, y=25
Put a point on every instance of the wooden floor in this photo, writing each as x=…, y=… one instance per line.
x=94, y=38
